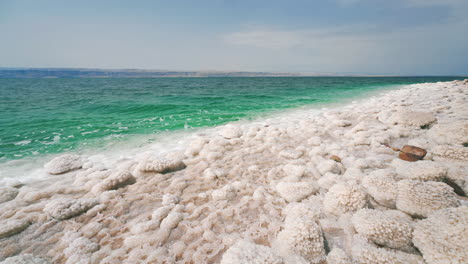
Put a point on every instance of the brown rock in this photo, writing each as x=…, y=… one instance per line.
x=412, y=153
x=335, y=158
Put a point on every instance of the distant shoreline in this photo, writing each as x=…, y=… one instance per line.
x=138, y=73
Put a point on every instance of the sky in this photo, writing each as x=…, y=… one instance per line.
x=397, y=37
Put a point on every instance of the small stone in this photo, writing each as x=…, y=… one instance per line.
x=335, y=158
x=412, y=153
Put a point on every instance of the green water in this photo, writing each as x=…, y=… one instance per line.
x=40, y=116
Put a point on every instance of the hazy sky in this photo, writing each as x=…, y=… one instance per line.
x=405, y=37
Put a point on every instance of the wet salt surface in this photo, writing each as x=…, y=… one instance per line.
x=265, y=191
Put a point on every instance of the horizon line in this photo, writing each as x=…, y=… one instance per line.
x=273, y=73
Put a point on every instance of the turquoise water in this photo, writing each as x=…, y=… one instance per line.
x=44, y=116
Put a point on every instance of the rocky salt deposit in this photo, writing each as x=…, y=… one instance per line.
x=307, y=186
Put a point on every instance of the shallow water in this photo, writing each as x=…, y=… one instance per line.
x=46, y=116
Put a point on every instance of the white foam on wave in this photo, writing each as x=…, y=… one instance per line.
x=23, y=142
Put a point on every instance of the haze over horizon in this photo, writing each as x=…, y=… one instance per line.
x=375, y=37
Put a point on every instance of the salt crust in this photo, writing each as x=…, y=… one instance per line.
x=455, y=133
x=303, y=237
x=25, y=259
x=115, y=180
x=364, y=252
x=13, y=227
x=225, y=191
x=250, y=253
x=411, y=118
x=423, y=170
x=7, y=194
x=338, y=256
x=64, y=208
x=450, y=152
x=389, y=228
x=161, y=164
x=63, y=163
x=230, y=131
x=443, y=236
x=382, y=186
x=296, y=191
x=419, y=199
x=343, y=198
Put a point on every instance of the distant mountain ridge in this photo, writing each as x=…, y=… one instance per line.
x=135, y=73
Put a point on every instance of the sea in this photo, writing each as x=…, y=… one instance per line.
x=44, y=117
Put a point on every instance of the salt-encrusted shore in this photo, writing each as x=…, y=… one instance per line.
x=323, y=187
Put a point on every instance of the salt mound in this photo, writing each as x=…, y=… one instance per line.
x=301, y=237
x=364, y=252
x=343, y=198
x=389, y=228
x=291, y=154
x=308, y=209
x=63, y=163
x=7, y=194
x=450, y=152
x=338, y=256
x=13, y=227
x=161, y=164
x=231, y=131
x=382, y=186
x=419, y=199
x=226, y=193
x=423, y=170
x=296, y=191
x=79, y=249
x=25, y=259
x=116, y=180
x=443, y=236
x=65, y=208
x=410, y=118
x=246, y=252
x=455, y=133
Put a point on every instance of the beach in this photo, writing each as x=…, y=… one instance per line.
x=332, y=185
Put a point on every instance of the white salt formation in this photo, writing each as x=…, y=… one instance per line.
x=296, y=191
x=344, y=198
x=160, y=164
x=389, y=228
x=443, y=236
x=114, y=181
x=423, y=170
x=64, y=163
x=364, y=252
x=62, y=209
x=338, y=256
x=25, y=259
x=250, y=253
x=303, y=237
x=13, y=227
x=419, y=199
x=307, y=186
x=7, y=194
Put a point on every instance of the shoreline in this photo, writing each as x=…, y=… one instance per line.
x=30, y=169
x=290, y=189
